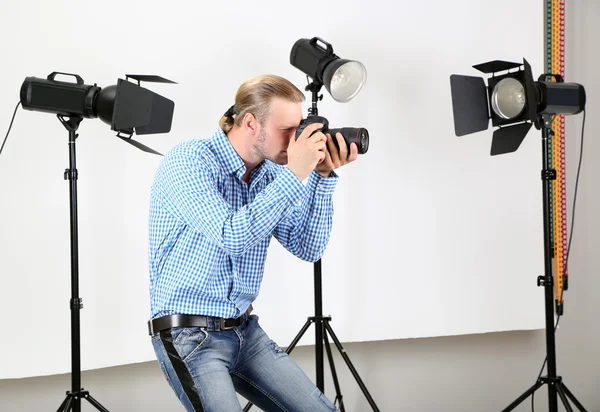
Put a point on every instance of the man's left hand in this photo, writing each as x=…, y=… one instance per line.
x=334, y=158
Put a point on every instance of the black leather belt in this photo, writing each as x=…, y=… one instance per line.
x=191, y=321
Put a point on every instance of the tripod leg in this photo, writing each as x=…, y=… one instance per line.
x=363, y=388
x=288, y=351
x=68, y=405
x=63, y=405
x=563, y=398
x=95, y=403
x=298, y=337
x=336, y=384
x=525, y=395
x=570, y=395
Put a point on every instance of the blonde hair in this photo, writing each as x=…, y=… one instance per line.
x=255, y=96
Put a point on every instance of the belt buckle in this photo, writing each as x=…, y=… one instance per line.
x=223, y=326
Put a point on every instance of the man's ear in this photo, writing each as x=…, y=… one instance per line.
x=250, y=124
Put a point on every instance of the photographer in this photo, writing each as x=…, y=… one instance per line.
x=215, y=203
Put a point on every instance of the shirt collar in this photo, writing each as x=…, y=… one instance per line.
x=226, y=154
x=230, y=160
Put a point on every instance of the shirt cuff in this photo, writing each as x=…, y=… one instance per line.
x=291, y=186
x=323, y=185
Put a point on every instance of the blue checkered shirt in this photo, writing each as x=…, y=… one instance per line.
x=209, y=231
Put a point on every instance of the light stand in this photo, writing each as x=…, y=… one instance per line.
x=72, y=401
x=322, y=326
x=126, y=107
x=554, y=382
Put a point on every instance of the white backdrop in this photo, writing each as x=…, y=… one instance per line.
x=431, y=236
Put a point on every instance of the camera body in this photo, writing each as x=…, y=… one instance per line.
x=359, y=135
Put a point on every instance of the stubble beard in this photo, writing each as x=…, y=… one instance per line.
x=260, y=149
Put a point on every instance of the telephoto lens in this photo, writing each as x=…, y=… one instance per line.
x=358, y=135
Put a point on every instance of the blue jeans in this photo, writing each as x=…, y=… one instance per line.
x=206, y=367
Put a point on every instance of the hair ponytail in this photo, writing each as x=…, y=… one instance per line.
x=227, y=121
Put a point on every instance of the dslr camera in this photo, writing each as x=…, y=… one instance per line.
x=359, y=135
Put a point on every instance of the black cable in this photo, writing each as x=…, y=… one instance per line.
x=568, y=248
x=9, y=127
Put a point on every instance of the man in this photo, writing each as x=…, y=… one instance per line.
x=215, y=203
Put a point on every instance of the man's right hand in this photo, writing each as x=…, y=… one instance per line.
x=307, y=152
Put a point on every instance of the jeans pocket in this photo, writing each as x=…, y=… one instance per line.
x=188, y=341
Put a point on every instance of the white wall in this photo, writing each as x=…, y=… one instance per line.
x=420, y=192
x=478, y=373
